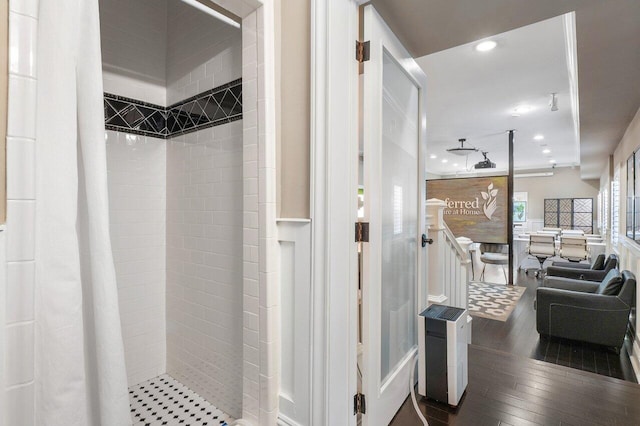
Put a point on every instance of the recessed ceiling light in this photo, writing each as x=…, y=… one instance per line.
x=552, y=161
x=433, y=156
x=546, y=151
x=522, y=109
x=444, y=160
x=486, y=46
x=455, y=164
x=538, y=137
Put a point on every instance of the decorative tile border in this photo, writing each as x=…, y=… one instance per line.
x=213, y=107
x=134, y=116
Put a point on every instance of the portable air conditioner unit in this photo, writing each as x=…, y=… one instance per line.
x=442, y=365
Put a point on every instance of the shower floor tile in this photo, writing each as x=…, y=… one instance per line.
x=165, y=401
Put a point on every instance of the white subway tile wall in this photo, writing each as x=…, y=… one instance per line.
x=268, y=264
x=22, y=32
x=204, y=263
x=204, y=217
x=203, y=178
x=19, y=321
x=251, y=292
x=136, y=169
x=261, y=330
x=202, y=52
x=19, y=363
x=134, y=45
x=21, y=157
x=20, y=286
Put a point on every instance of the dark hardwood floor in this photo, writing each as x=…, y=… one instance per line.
x=517, y=378
x=518, y=336
x=507, y=389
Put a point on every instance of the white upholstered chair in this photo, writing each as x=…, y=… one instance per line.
x=574, y=248
x=542, y=246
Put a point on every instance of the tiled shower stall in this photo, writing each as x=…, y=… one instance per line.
x=174, y=144
x=192, y=201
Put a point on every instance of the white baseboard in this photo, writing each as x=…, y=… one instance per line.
x=285, y=421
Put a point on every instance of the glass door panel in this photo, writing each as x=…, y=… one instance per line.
x=399, y=205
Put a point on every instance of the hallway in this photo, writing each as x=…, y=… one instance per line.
x=510, y=383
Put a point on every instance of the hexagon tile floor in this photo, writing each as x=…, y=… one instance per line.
x=493, y=301
x=164, y=401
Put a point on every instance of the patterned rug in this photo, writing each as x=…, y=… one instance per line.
x=493, y=301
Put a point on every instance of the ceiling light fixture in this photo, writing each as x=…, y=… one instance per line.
x=214, y=13
x=444, y=160
x=432, y=156
x=462, y=150
x=552, y=161
x=553, y=103
x=538, y=137
x=546, y=151
x=486, y=46
x=521, y=109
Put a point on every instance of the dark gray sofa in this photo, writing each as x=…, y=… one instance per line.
x=584, y=310
x=583, y=271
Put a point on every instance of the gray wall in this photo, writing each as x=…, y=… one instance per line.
x=293, y=135
x=565, y=183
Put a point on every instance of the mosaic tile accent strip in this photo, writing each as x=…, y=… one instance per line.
x=133, y=116
x=213, y=107
x=166, y=401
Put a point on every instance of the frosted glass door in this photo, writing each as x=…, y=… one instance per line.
x=393, y=134
x=399, y=194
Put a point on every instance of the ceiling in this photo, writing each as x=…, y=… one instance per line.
x=608, y=53
x=473, y=95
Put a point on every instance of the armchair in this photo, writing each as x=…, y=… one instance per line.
x=586, y=311
x=597, y=263
x=583, y=271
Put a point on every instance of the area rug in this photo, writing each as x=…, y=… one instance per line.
x=493, y=301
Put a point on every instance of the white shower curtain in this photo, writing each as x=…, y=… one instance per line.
x=80, y=370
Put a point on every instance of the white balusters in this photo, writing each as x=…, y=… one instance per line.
x=449, y=260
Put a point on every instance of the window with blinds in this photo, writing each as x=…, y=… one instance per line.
x=615, y=206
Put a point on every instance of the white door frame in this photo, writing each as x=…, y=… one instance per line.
x=334, y=185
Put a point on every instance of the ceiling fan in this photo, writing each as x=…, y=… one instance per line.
x=462, y=150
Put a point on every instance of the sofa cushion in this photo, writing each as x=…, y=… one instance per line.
x=611, y=284
x=598, y=264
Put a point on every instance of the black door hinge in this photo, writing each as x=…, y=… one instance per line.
x=359, y=404
x=362, y=51
x=362, y=232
